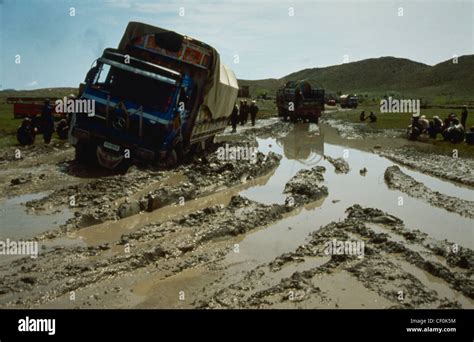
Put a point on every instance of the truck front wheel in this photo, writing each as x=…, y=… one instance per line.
x=86, y=153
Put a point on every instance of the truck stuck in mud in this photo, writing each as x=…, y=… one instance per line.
x=158, y=96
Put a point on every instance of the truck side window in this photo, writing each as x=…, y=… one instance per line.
x=102, y=76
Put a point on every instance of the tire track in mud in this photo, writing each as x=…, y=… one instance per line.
x=459, y=170
x=378, y=271
x=171, y=247
x=306, y=277
x=398, y=180
x=115, y=197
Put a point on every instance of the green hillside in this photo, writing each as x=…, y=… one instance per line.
x=443, y=83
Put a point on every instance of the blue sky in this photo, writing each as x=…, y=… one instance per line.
x=57, y=49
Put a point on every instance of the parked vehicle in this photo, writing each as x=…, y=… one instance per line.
x=299, y=100
x=31, y=106
x=348, y=101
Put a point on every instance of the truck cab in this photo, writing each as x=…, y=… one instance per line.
x=133, y=98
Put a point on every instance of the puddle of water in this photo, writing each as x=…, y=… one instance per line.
x=17, y=223
x=341, y=287
x=436, y=284
x=444, y=187
x=300, y=151
x=352, y=188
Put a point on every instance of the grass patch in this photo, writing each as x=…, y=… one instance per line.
x=395, y=120
x=402, y=120
x=9, y=125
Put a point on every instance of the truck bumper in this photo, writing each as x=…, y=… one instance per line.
x=136, y=152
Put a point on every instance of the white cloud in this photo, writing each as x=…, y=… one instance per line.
x=32, y=84
x=120, y=3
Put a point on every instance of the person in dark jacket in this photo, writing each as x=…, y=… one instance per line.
x=362, y=116
x=244, y=112
x=464, y=117
x=234, y=118
x=438, y=124
x=372, y=117
x=47, y=122
x=26, y=132
x=448, y=121
x=253, y=112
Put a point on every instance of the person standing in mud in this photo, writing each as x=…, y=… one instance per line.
x=244, y=112
x=464, y=117
x=234, y=118
x=241, y=107
x=47, y=122
x=253, y=112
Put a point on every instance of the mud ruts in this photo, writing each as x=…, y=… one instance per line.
x=459, y=170
x=341, y=165
x=398, y=180
x=387, y=269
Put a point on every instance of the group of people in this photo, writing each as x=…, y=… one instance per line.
x=372, y=117
x=43, y=124
x=240, y=114
x=451, y=128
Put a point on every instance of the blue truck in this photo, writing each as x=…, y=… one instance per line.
x=158, y=96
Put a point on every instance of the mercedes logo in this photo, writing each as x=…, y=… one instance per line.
x=119, y=123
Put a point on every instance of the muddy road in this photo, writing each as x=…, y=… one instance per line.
x=305, y=218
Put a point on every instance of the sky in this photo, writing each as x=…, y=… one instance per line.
x=257, y=39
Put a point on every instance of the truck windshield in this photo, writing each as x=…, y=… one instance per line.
x=134, y=87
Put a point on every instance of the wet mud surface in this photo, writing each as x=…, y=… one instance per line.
x=311, y=222
x=459, y=170
x=396, y=179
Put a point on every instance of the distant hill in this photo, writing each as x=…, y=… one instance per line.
x=444, y=82
x=44, y=92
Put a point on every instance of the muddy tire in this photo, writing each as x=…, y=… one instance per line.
x=86, y=153
x=209, y=144
x=179, y=150
x=171, y=159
